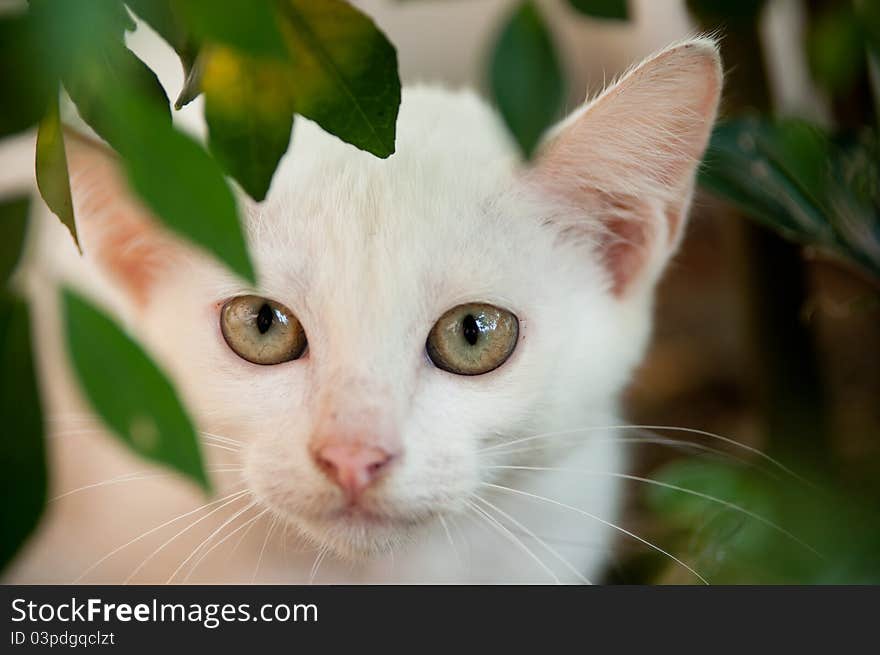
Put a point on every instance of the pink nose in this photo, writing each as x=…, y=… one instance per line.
x=352, y=466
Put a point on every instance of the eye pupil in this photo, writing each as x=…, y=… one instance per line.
x=470, y=329
x=264, y=318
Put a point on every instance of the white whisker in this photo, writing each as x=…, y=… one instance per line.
x=221, y=446
x=249, y=523
x=208, y=539
x=221, y=438
x=243, y=537
x=516, y=540
x=132, y=477
x=732, y=442
x=186, y=529
x=263, y=549
x=152, y=530
x=449, y=539
x=319, y=558
x=600, y=520
x=655, y=440
x=673, y=487
x=546, y=546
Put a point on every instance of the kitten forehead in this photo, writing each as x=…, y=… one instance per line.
x=450, y=143
x=339, y=223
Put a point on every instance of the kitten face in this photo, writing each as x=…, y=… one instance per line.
x=367, y=255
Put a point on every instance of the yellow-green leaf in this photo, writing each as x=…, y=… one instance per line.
x=249, y=111
x=51, y=164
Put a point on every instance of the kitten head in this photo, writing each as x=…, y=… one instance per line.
x=413, y=311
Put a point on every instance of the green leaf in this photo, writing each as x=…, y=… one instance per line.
x=791, y=177
x=249, y=111
x=726, y=12
x=192, y=83
x=164, y=17
x=25, y=88
x=344, y=70
x=123, y=101
x=833, y=534
x=869, y=14
x=613, y=9
x=51, y=167
x=13, y=229
x=114, y=73
x=124, y=18
x=132, y=396
x=22, y=450
x=174, y=175
x=836, y=49
x=72, y=32
x=526, y=78
x=247, y=25
x=182, y=184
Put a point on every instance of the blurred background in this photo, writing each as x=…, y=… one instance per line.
x=768, y=329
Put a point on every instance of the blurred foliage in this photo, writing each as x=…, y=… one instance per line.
x=161, y=163
x=21, y=444
x=249, y=112
x=51, y=168
x=611, y=9
x=22, y=449
x=836, y=48
x=813, y=534
x=23, y=94
x=526, y=77
x=726, y=12
x=249, y=26
x=838, y=40
x=798, y=180
x=816, y=186
x=13, y=228
x=147, y=416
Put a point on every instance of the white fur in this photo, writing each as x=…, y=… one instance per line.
x=368, y=253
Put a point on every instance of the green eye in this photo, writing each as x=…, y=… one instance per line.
x=262, y=331
x=473, y=339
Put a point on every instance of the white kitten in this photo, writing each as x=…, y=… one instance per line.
x=376, y=458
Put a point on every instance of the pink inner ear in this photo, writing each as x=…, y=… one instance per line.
x=625, y=163
x=625, y=251
x=115, y=229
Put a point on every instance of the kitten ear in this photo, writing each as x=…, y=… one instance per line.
x=114, y=229
x=625, y=162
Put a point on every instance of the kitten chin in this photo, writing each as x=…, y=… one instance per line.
x=358, y=537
